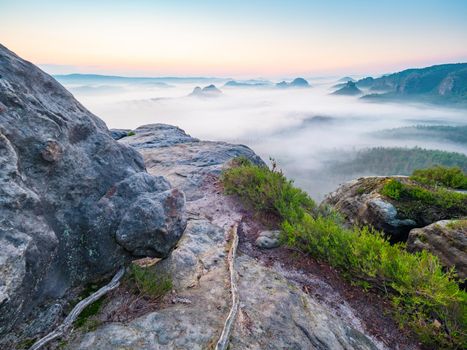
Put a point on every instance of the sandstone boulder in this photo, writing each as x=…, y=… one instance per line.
x=360, y=202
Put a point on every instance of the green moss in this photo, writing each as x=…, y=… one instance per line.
x=131, y=133
x=88, y=312
x=424, y=296
x=91, y=310
x=361, y=190
x=147, y=282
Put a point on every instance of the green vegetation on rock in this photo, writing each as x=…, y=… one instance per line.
x=418, y=201
x=441, y=176
x=425, y=297
x=91, y=310
x=458, y=224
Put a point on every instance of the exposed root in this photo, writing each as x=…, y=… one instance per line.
x=223, y=341
x=73, y=315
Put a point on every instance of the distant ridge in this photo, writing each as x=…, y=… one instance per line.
x=444, y=83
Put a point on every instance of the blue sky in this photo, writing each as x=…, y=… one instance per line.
x=250, y=38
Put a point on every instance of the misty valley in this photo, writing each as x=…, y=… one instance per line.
x=318, y=138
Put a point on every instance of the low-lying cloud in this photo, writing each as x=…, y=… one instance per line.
x=303, y=129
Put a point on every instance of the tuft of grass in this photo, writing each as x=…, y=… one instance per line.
x=149, y=283
x=424, y=296
x=131, y=133
x=438, y=175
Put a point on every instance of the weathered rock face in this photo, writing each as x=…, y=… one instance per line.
x=74, y=203
x=446, y=239
x=361, y=204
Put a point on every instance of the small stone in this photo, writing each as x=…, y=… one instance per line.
x=268, y=239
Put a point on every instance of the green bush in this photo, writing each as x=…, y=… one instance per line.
x=268, y=191
x=392, y=189
x=441, y=176
x=426, y=298
x=149, y=283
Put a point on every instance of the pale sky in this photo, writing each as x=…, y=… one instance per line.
x=234, y=38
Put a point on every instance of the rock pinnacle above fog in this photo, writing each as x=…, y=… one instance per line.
x=297, y=82
x=349, y=89
x=207, y=91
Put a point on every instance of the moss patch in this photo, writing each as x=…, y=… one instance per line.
x=145, y=281
x=88, y=312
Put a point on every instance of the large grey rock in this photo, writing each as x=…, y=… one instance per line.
x=447, y=239
x=67, y=195
x=199, y=272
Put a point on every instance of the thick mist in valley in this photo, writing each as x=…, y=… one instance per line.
x=317, y=138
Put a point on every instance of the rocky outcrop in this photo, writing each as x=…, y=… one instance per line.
x=360, y=202
x=275, y=311
x=446, y=239
x=74, y=203
x=118, y=134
